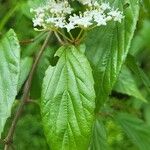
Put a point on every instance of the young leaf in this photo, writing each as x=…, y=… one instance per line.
x=136, y=130
x=126, y=84
x=108, y=50
x=99, y=138
x=9, y=74
x=68, y=101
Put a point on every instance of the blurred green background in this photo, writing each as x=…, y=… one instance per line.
x=29, y=133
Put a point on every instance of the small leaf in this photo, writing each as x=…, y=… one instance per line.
x=9, y=74
x=68, y=101
x=136, y=130
x=126, y=84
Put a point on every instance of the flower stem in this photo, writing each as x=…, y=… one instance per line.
x=59, y=39
x=79, y=35
x=71, y=36
x=28, y=41
x=64, y=36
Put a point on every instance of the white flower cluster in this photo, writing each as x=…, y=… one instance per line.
x=59, y=15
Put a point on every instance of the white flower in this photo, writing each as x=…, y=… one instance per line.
x=100, y=19
x=90, y=13
x=60, y=22
x=57, y=22
x=84, y=21
x=59, y=15
x=60, y=7
x=37, y=21
x=69, y=26
x=50, y=20
x=73, y=19
x=117, y=15
x=86, y=2
x=108, y=18
x=105, y=6
x=67, y=10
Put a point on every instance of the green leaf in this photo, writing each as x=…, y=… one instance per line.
x=99, y=138
x=136, y=130
x=108, y=50
x=9, y=74
x=132, y=64
x=68, y=101
x=141, y=40
x=126, y=84
x=25, y=67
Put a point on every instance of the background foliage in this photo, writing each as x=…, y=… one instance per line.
x=124, y=121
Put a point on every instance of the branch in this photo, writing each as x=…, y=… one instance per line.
x=29, y=101
x=58, y=38
x=9, y=138
x=28, y=41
